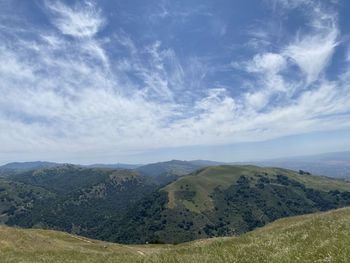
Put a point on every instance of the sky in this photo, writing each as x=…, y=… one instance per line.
x=143, y=81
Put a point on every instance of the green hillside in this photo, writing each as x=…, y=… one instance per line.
x=224, y=201
x=170, y=168
x=18, y=167
x=204, y=182
x=71, y=198
x=320, y=237
x=17, y=198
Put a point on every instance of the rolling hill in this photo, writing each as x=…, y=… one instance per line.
x=319, y=237
x=18, y=167
x=173, y=167
x=72, y=198
x=224, y=201
x=166, y=172
x=114, y=166
x=16, y=197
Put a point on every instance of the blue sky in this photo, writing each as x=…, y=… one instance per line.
x=142, y=81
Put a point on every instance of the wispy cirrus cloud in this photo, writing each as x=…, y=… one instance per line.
x=312, y=51
x=82, y=20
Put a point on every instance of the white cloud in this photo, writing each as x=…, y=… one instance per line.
x=291, y=4
x=83, y=20
x=313, y=53
x=266, y=63
x=313, y=49
x=268, y=67
x=276, y=80
x=259, y=99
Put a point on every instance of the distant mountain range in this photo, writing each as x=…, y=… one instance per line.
x=114, y=166
x=335, y=164
x=20, y=167
x=155, y=170
x=25, y=166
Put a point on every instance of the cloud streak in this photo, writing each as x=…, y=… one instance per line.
x=82, y=20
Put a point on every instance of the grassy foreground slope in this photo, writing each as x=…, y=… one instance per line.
x=320, y=237
x=35, y=245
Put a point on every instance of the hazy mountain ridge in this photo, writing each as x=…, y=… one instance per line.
x=335, y=164
x=173, y=167
x=167, y=168
x=18, y=167
x=114, y=166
